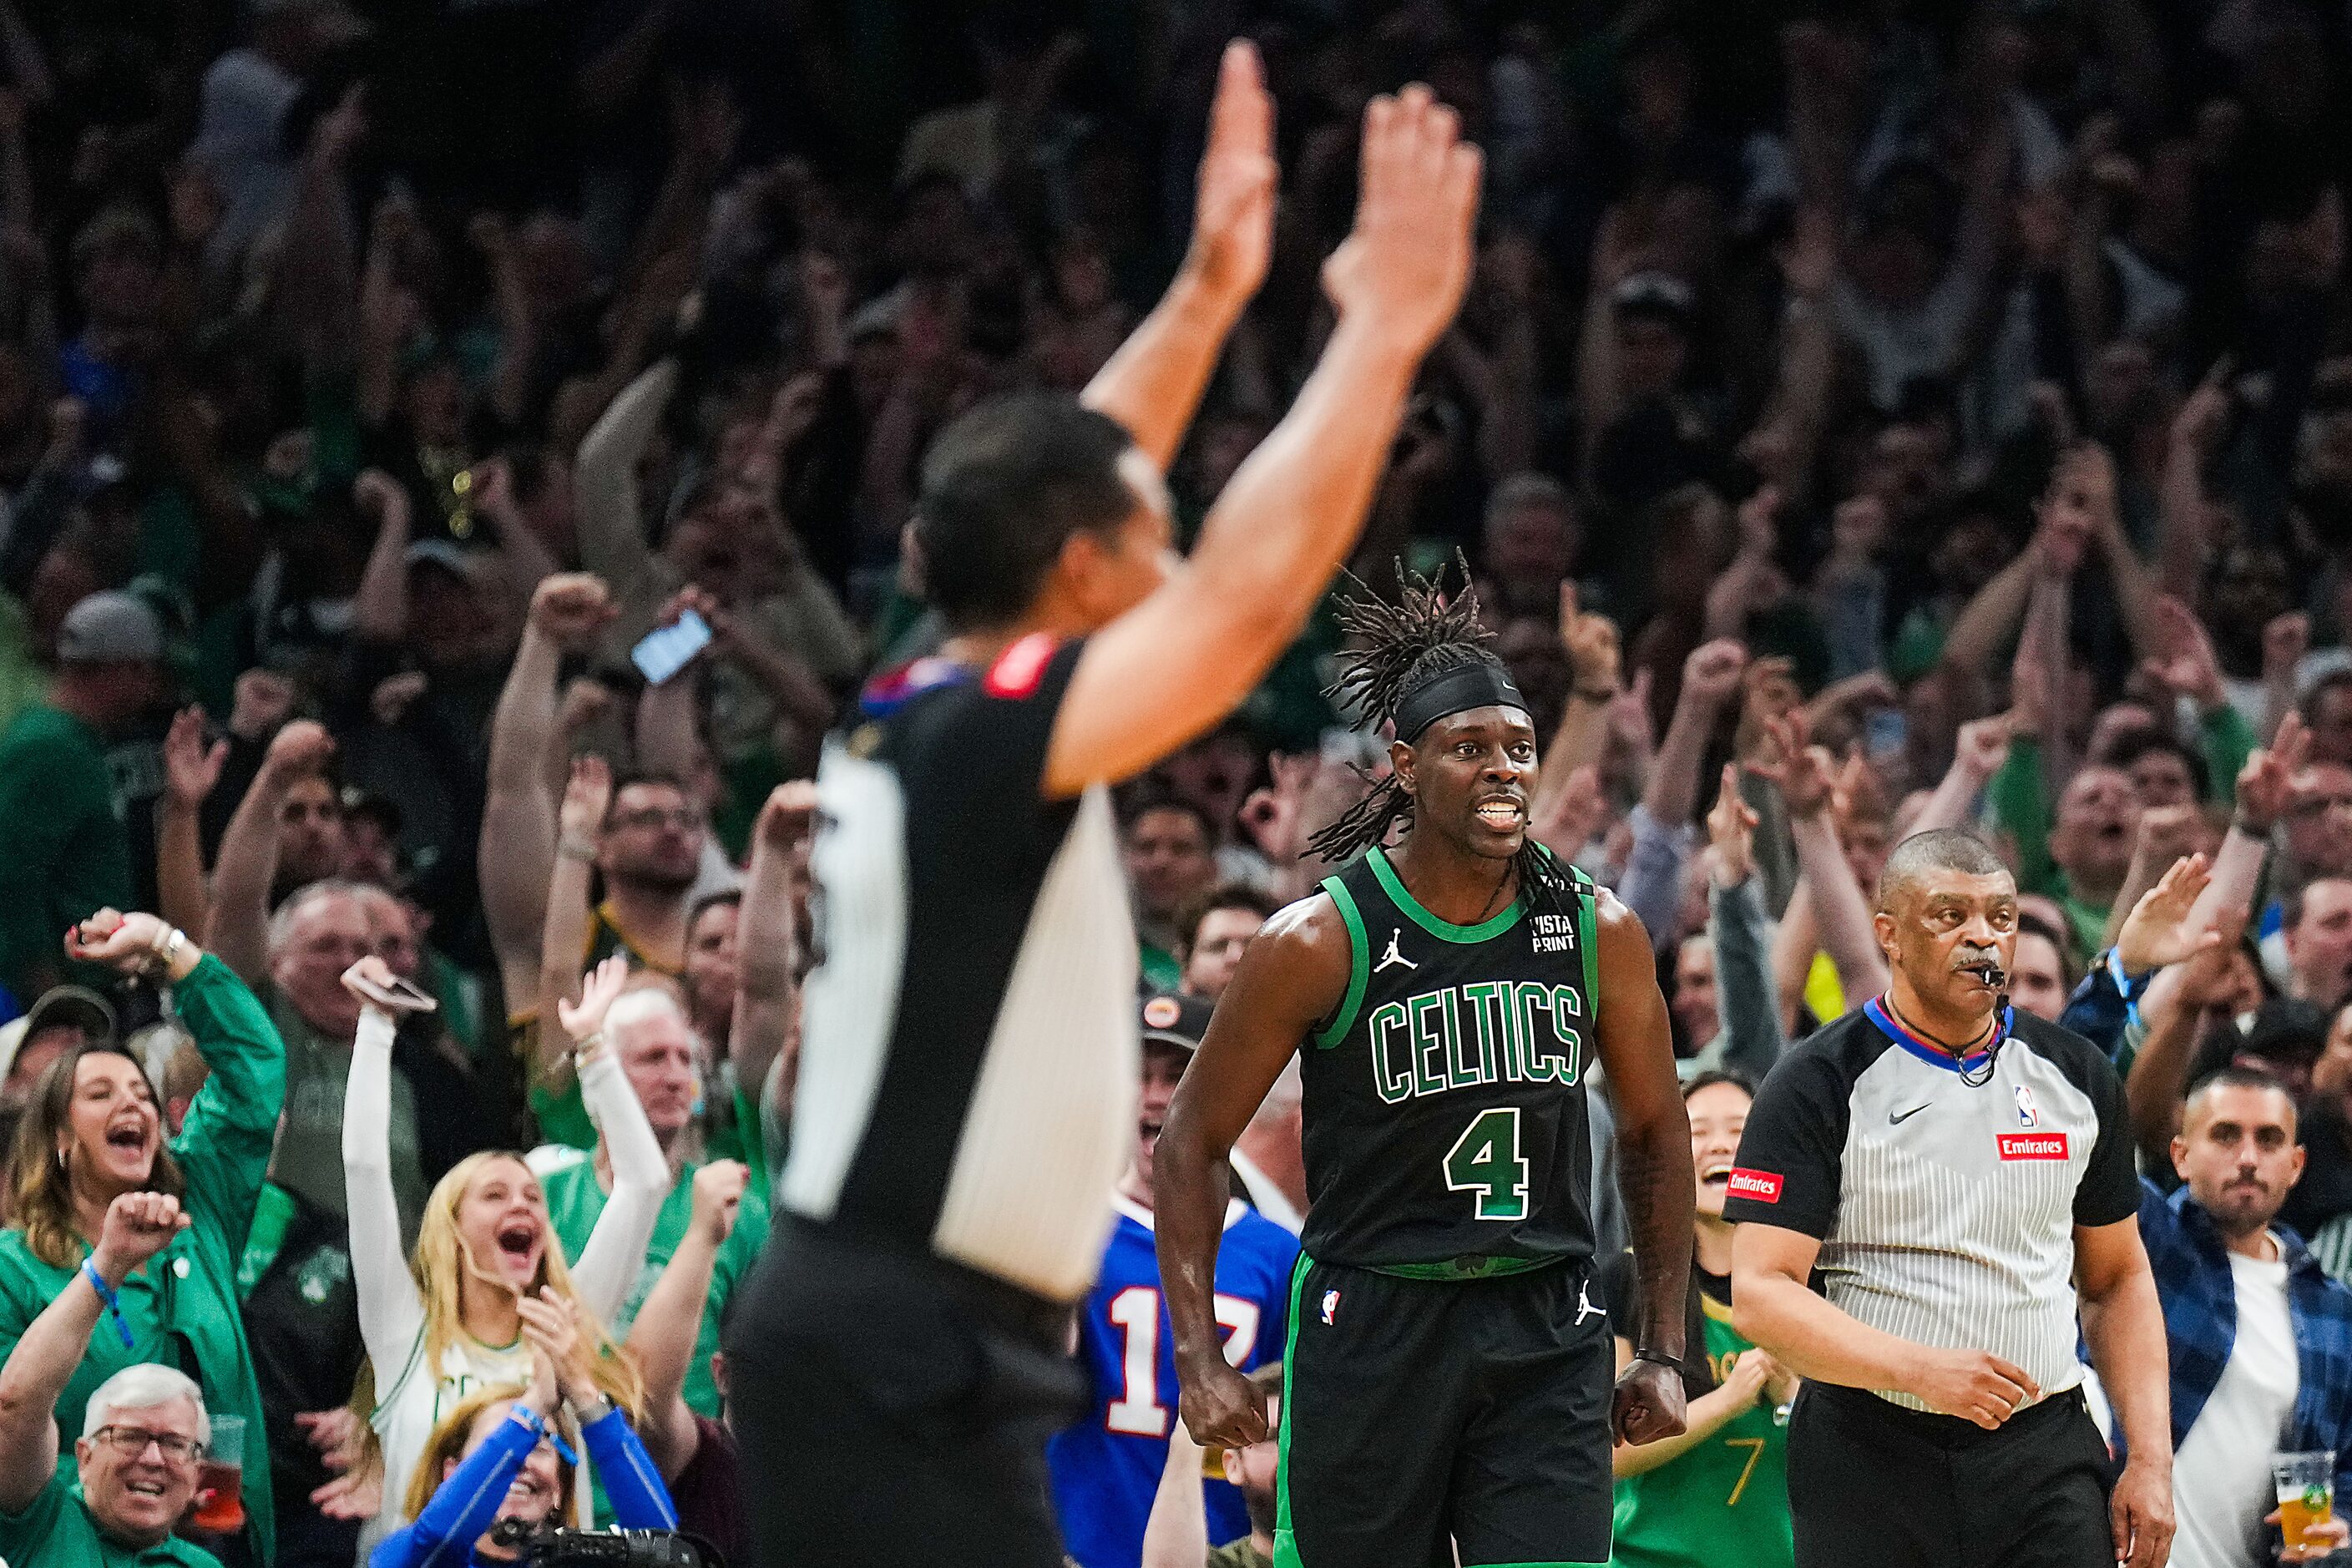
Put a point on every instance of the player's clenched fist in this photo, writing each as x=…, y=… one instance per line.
x=1647, y=1404
x=1402, y=268
x=1975, y=1385
x=1221, y=1408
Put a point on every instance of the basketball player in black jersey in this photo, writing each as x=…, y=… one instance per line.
x=1448, y=1385
x=965, y=1096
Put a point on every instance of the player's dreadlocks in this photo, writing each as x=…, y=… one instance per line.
x=1424, y=658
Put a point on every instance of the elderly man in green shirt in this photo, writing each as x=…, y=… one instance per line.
x=93, y=1135
x=142, y=1441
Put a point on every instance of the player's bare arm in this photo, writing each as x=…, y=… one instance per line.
x=1168, y=669
x=1653, y=1168
x=1773, y=1303
x=2123, y=1322
x=1293, y=975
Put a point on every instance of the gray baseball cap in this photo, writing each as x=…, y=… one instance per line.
x=110, y=627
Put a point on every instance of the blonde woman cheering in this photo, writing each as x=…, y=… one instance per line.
x=450, y=1323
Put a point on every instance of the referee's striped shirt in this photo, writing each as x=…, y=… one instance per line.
x=1945, y=1210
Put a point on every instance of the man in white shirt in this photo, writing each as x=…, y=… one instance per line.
x=2251, y=1321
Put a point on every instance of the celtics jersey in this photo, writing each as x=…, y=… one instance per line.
x=1444, y=1099
x=1725, y=1500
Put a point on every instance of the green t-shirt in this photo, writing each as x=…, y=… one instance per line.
x=181, y=1306
x=309, y=1154
x=1238, y=1554
x=56, y=1531
x=63, y=851
x=574, y=1201
x=1725, y=1500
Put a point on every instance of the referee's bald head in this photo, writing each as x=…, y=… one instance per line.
x=1915, y=863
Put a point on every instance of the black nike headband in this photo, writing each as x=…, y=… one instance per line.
x=1458, y=690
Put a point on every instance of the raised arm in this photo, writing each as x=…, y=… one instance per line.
x=1654, y=1169
x=767, y=994
x=190, y=771
x=1740, y=931
x=391, y=1314
x=247, y=864
x=1176, y=1535
x=1295, y=973
x=563, y=944
x=519, y=816
x=1171, y=668
x=1652, y=886
x=615, y=1250
x=379, y=608
x=1983, y=748
x=51, y=1349
x=1802, y=773
x=670, y=1322
x=1595, y=661
x=1153, y=383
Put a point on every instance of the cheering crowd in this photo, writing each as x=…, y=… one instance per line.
x=453, y=467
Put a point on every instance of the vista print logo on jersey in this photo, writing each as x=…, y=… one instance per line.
x=2027, y=1116
x=1554, y=934
x=1763, y=1186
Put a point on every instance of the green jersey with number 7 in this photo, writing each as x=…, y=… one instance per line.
x=1444, y=1099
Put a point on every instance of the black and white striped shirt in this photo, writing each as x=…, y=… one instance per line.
x=1945, y=1210
x=968, y=1061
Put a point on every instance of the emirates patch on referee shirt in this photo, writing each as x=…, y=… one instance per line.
x=1762, y=1186
x=2032, y=1145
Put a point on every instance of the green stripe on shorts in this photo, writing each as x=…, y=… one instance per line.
x=1286, y=1547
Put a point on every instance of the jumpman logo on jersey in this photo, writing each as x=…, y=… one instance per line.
x=1584, y=1307
x=1392, y=957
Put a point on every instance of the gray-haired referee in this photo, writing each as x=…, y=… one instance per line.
x=1955, y=1173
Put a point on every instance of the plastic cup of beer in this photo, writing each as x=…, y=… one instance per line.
x=223, y=1477
x=2307, y=1493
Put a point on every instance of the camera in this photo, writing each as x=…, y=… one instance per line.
x=548, y=1546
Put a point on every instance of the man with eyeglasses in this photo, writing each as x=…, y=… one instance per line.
x=142, y=1443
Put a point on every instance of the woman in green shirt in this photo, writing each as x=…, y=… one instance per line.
x=1717, y=1496
x=93, y=1131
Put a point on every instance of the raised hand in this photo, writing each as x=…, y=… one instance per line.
x=137, y=1226
x=1983, y=746
x=718, y=1198
x=1712, y=673
x=299, y=750
x=264, y=698
x=587, y=794
x=131, y=943
x=1593, y=645
x=1731, y=832
x=2285, y=639
x=1805, y=774
x=787, y=816
x=551, y=1323
x=2156, y=933
x=1232, y=202
x=2188, y=665
x=378, y=495
x=2266, y=784
x=191, y=768
x=372, y=981
x=1401, y=272
x=598, y=992
x=571, y=607
x=1274, y=815
x=1567, y=822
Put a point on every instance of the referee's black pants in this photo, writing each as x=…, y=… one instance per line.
x=893, y=1408
x=1872, y=1485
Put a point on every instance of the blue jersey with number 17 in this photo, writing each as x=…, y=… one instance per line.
x=1107, y=1465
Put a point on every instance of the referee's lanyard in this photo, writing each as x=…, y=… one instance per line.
x=1974, y=1067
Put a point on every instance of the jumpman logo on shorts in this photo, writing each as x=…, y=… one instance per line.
x=1584, y=1307
x=1392, y=957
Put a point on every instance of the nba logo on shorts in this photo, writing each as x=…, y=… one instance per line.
x=2026, y=1115
x=1330, y=1305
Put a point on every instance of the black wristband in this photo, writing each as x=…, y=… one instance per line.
x=1662, y=1358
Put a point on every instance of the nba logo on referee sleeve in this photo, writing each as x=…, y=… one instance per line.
x=1763, y=1186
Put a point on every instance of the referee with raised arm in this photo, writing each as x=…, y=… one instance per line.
x=967, y=1072
x=1958, y=1177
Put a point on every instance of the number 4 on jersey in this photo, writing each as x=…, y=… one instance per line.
x=1486, y=1160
